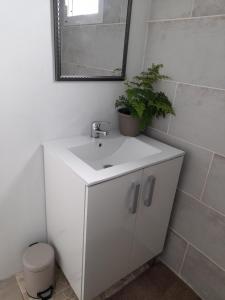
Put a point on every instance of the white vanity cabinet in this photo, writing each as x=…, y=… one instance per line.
x=126, y=225
x=104, y=231
x=159, y=184
x=110, y=227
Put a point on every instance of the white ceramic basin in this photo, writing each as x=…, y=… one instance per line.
x=98, y=160
x=111, y=152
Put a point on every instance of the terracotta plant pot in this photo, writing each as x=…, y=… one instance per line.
x=128, y=125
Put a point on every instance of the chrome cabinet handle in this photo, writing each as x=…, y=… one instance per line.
x=151, y=181
x=133, y=207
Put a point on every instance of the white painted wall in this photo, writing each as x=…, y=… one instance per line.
x=34, y=108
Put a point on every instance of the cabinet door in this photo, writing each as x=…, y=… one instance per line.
x=159, y=184
x=110, y=222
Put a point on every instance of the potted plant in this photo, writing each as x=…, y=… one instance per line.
x=141, y=103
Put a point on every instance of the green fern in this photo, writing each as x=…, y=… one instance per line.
x=141, y=100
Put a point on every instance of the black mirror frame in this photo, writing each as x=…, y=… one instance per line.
x=57, y=49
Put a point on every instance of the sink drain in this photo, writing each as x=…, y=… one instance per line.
x=107, y=166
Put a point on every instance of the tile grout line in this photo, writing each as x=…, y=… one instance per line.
x=197, y=249
x=188, y=194
x=194, y=85
x=202, y=86
x=146, y=38
x=187, y=142
x=88, y=66
x=185, y=19
x=67, y=27
x=206, y=179
x=173, y=102
x=145, y=47
x=203, y=203
x=121, y=10
x=192, y=8
x=184, y=258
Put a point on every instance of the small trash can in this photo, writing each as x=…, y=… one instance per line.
x=39, y=273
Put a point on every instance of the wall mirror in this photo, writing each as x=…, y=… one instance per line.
x=91, y=39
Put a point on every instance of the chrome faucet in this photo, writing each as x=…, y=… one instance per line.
x=97, y=131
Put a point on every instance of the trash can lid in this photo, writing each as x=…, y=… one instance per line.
x=38, y=257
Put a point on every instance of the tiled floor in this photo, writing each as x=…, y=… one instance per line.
x=157, y=283
x=9, y=290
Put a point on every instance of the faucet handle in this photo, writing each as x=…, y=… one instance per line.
x=101, y=125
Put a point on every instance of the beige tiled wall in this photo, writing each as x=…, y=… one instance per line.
x=188, y=37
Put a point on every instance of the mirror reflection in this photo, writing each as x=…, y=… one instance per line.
x=92, y=38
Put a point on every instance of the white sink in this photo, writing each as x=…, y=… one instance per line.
x=111, y=152
x=98, y=160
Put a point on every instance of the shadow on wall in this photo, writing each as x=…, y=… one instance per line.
x=23, y=200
